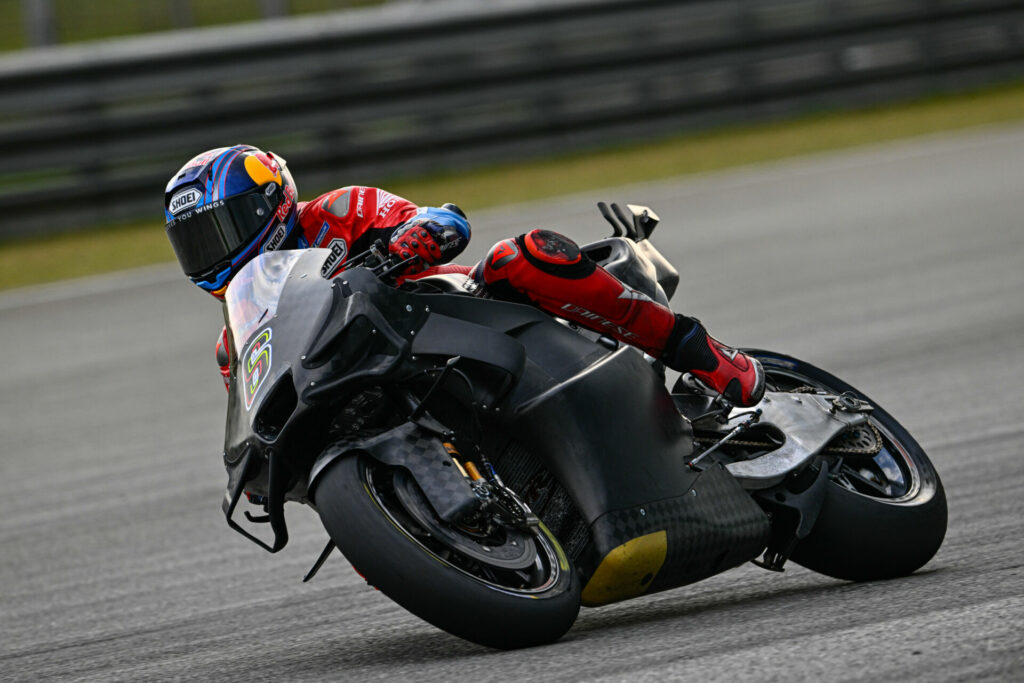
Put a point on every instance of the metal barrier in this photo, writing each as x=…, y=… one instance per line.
x=91, y=134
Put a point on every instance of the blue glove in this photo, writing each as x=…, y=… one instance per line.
x=436, y=235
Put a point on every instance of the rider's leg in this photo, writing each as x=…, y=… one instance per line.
x=550, y=271
x=223, y=361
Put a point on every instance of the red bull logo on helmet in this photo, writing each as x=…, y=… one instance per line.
x=263, y=169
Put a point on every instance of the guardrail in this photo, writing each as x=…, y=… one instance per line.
x=91, y=134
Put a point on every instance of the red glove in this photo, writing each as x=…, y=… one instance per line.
x=414, y=239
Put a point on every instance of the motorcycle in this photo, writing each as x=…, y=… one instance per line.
x=492, y=468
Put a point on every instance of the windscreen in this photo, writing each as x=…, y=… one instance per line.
x=254, y=292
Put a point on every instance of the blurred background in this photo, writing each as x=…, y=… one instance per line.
x=40, y=23
x=101, y=102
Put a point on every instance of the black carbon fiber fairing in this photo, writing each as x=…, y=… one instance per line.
x=713, y=526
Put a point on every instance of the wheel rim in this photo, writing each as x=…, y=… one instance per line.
x=541, y=575
x=891, y=475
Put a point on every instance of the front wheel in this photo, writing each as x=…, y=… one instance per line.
x=884, y=515
x=486, y=582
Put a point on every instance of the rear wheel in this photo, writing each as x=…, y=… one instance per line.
x=884, y=515
x=487, y=581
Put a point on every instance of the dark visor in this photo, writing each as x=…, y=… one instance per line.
x=204, y=237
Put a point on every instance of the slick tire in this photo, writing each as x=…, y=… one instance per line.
x=860, y=537
x=383, y=547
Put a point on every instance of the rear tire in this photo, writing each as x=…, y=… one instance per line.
x=860, y=535
x=457, y=593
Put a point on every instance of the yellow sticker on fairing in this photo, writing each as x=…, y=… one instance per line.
x=627, y=571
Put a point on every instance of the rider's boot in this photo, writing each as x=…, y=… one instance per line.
x=550, y=271
x=733, y=374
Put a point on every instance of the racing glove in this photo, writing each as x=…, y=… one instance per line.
x=435, y=234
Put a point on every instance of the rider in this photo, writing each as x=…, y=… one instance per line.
x=229, y=204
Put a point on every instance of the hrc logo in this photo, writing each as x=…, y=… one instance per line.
x=256, y=367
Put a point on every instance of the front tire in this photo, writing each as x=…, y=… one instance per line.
x=883, y=517
x=363, y=508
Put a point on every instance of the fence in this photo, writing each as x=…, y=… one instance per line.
x=36, y=23
x=91, y=134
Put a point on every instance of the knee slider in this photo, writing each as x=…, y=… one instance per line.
x=555, y=254
x=551, y=247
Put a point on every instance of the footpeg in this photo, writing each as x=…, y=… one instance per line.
x=698, y=387
x=751, y=420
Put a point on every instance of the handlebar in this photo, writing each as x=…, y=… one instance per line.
x=380, y=261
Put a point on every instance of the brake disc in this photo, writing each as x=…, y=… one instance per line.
x=515, y=551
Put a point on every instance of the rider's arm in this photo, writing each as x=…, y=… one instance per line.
x=348, y=220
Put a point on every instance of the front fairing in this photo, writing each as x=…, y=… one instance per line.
x=292, y=333
x=301, y=343
x=268, y=310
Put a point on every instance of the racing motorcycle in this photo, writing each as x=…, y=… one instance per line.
x=492, y=468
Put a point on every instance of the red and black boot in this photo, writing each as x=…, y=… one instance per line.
x=735, y=375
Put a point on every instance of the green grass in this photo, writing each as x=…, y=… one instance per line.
x=84, y=20
x=40, y=260
x=84, y=253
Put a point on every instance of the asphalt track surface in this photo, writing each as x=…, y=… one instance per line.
x=900, y=268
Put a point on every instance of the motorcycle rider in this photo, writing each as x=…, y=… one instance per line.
x=227, y=205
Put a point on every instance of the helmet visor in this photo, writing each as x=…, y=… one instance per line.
x=207, y=235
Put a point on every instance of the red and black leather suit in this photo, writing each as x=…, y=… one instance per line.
x=540, y=267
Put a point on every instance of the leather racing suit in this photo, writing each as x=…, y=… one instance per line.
x=540, y=267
